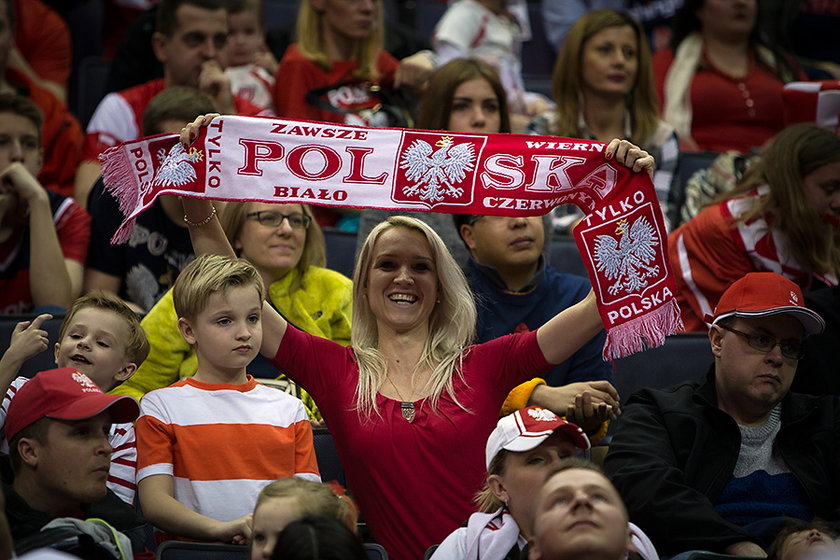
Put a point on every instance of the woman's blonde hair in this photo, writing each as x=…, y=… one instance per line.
x=451, y=324
x=314, y=248
x=313, y=498
x=485, y=500
x=567, y=80
x=309, y=35
x=794, y=153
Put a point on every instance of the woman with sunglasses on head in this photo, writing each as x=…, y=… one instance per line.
x=286, y=246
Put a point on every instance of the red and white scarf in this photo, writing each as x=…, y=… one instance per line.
x=622, y=238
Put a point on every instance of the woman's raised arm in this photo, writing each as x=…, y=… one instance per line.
x=208, y=238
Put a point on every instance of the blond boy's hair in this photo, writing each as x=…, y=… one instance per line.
x=210, y=274
x=137, y=346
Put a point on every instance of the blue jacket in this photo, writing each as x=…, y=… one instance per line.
x=501, y=312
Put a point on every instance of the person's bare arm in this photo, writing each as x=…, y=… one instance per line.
x=28, y=339
x=50, y=281
x=170, y=515
x=588, y=403
x=209, y=238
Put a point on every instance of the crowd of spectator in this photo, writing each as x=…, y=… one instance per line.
x=456, y=334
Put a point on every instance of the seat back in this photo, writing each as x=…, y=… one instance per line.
x=89, y=89
x=329, y=463
x=565, y=256
x=375, y=551
x=683, y=357
x=341, y=250
x=178, y=550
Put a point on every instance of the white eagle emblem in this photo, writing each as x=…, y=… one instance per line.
x=626, y=259
x=435, y=174
x=177, y=168
x=542, y=415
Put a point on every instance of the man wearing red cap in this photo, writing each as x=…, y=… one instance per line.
x=57, y=427
x=716, y=465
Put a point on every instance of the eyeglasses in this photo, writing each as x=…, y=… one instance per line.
x=270, y=218
x=790, y=348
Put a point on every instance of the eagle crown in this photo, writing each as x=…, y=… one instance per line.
x=621, y=228
x=444, y=141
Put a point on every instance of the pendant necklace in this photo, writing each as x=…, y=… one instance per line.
x=406, y=407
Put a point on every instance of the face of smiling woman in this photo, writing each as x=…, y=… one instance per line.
x=402, y=284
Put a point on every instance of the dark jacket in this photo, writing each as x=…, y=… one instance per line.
x=25, y=521
x=674, y=451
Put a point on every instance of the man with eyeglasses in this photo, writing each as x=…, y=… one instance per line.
x=718, y=464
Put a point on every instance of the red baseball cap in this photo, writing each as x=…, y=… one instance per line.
x=759, y=294
x=528, y=427
x=64, y=394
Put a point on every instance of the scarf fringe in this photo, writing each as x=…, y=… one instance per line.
x=120, y=182
x=641, y=333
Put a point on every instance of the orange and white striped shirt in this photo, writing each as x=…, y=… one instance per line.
x=223, y=443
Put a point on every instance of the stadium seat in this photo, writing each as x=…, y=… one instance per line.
x=565, y=256
x=328, y=461
x=341, y=250
x=683, y=357
x=375, y=551
x=91, y=86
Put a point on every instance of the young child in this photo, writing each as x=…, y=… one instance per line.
x=289, y=499
x=208, y=444
x=100, y=337
x=248, y=62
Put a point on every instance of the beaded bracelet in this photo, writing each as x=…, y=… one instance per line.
x=203, y=222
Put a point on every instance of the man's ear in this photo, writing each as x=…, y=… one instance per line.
x=466, y=232
x=28, y=449
x=56, y=348
x=494, y=482
x=186, y=330
x=159, y=41
x=715, y=339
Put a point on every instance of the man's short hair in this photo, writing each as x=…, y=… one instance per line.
x=181, y=104
x=167, y=12
x=22, y=106
x=37, y=431
x=137, y=345
x=210, y=274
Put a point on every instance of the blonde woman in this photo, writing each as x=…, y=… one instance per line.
x=783, y=217
x=411, y=402
x=326, y=75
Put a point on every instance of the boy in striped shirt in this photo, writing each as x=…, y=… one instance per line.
x=208, y=444
x=101, y=337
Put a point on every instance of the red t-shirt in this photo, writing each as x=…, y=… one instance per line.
x=119, y=117
x=729, y=113
x=297, y=75
x=414, y=482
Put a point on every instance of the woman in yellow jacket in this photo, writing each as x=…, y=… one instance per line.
x=286, y=246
